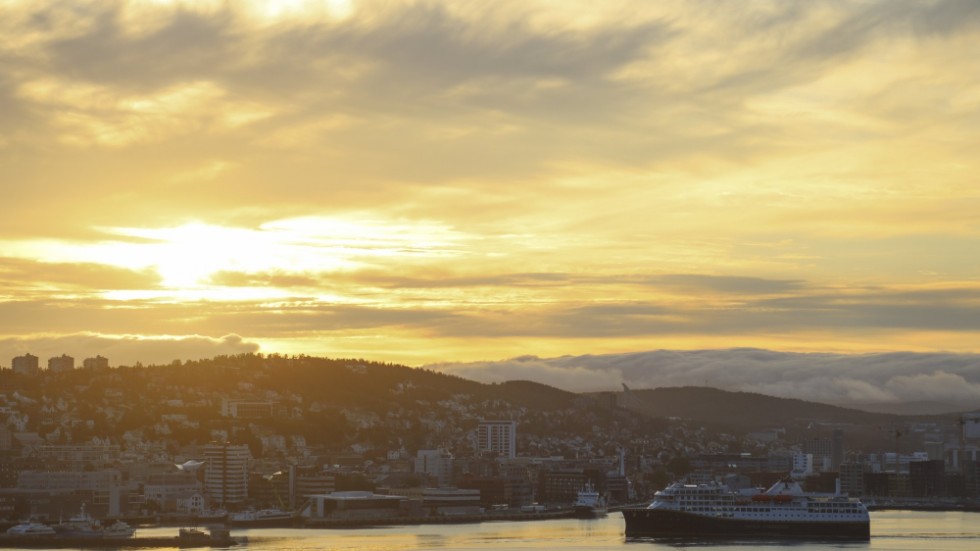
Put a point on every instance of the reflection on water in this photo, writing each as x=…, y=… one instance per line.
x=890, y=531
x=430, y=541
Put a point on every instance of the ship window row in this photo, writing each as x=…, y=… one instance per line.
x=757, y=510
x=729, y=509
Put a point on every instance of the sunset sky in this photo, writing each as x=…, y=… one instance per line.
x=423, y=182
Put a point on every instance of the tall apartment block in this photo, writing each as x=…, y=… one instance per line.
x=226, y=473
x=25, y=365
x=498, y=437
x=61, y=363
x=97, y=362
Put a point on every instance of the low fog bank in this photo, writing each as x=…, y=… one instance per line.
x=897, y=381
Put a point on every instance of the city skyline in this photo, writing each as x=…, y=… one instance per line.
x=434, y=182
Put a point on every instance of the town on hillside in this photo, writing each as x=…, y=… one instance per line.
x=348, y=441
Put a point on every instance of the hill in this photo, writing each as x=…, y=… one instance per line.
x=746, y=410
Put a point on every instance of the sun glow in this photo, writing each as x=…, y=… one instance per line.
x=187, y=256
x=198, y=261
x=277, y=9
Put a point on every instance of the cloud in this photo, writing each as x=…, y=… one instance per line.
x=532, y=368
x=589, y=175
x=125, y=349
x=728, y=284
x=30, y=274
x=937, y=385
x=831, y=378
x=279, y=279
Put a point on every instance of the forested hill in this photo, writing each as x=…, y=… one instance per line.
x=744, y=409
x=349, y=402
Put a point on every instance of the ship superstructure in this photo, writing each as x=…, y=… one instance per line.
x=784, y=510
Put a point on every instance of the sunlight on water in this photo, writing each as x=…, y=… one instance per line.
x=891, y=531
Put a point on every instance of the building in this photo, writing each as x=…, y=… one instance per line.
x=802, y=465
x=497, y=438
x=60, y=364
x=971, y=478
x=269, y=490
x=437, y=465
x=837, y=449
x=25, y=365
x=970, y=423
x=226, y=473
x=927, y=478
x=172, y=491
x=78, y=457
x=499, y=491
x=852, y=478
x=247, y=409
x=102, y=481
x=822, y=450
x=354, y=505
x=562, y=485
x=97, y=362
x=308, y=481
x=451, y=501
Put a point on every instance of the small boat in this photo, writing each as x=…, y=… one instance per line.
x=196, y=537
x=30, y=528
x=118, y=530
x=81, y=525
x=211, y=515
x=262, y=518
x=589, y=503
x=193, y=535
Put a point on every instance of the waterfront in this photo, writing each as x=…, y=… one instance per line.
x=890, y=531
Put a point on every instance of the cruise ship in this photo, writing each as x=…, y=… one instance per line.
x=782, y=511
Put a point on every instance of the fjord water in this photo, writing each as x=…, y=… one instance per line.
x=890, y=530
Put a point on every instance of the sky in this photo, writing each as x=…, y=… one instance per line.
x=463, y=182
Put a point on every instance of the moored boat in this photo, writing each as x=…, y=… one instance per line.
x=262, y=518
x=118, y=530
x=589, y=503
x=211, y=515
x=30, y=528
x=81, y=525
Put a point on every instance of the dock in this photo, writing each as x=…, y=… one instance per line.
x=355, y=522
x=135, y=542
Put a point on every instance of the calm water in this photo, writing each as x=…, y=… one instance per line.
x=890, y=530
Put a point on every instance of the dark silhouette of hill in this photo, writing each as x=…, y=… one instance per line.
x=921, y=408
x=338, y=402
x=743, y=409
x=537, y=395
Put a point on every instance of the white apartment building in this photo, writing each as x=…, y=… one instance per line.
x=226, y=473
x=498, y=437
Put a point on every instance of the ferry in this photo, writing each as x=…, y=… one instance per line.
x=782, y=511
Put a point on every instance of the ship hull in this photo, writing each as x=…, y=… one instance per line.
x=586, y=512
x=264, y=522
x=661, y=523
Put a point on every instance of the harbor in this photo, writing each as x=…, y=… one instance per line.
x=185, y=538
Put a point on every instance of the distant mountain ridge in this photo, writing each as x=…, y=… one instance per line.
x=914, y=408
x=743, y=409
